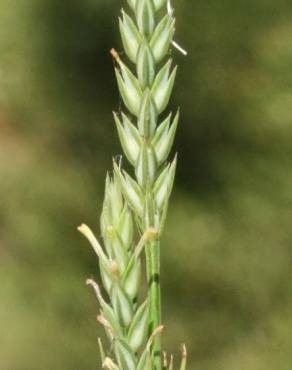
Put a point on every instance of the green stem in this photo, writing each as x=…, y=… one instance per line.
x=153, y=275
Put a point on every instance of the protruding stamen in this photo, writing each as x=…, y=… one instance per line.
x=171, y=362
x=86, y=231
x=97, y=291
x=101, y=350
x=109, y=364
x=115, y=55
x=184, y=358
x=164, y=360
x=104, y=322
x=179, y=48
x=170, y=11
x=156, y=332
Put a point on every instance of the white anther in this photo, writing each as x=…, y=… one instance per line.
x=170, y=11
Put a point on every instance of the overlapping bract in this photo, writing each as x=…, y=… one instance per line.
x=138, y=202
x=125, y=321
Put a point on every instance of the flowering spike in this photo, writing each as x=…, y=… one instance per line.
x=138, y=205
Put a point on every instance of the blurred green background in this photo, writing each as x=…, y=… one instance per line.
x=227, y=249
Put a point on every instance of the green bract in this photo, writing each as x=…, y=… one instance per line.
x=137, y=203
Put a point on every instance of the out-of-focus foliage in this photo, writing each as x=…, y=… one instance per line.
x=227, y=248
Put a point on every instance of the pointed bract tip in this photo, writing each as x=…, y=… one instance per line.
x=91, y=282
x=158, y=330
x=81, y=228
x=96, y=288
